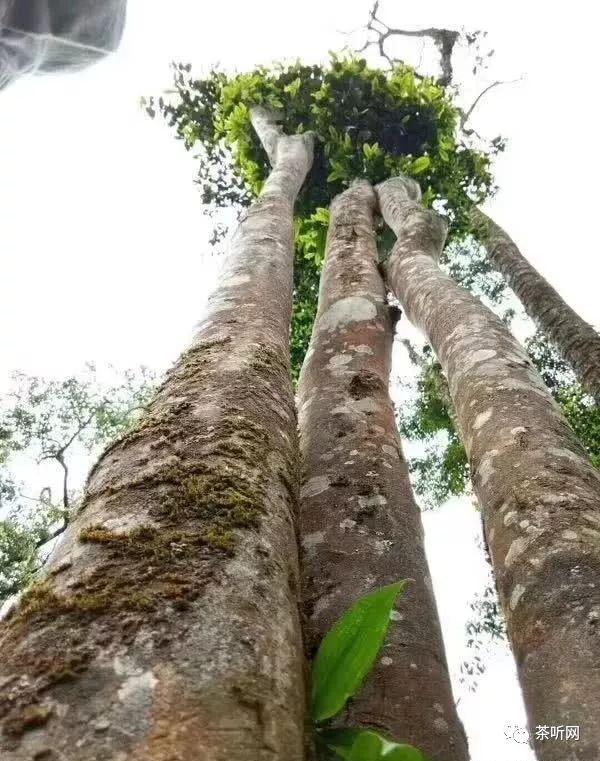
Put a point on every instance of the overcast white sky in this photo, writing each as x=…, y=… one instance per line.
x=104, y=250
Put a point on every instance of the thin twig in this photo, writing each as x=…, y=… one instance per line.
x=468, y=113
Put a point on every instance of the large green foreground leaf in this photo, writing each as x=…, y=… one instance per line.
x=349, y=650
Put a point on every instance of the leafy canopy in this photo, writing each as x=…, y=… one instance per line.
x=49, y=428
x=367, y=123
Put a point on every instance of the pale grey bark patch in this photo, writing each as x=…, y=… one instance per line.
x=137, y=690
x=372, y=500
x=516, y=595
x=483, y=418
x=569, y=535
x=316, y=485
x=348, y=310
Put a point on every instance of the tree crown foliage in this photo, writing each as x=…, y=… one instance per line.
x=368, y=123
x=53, y=422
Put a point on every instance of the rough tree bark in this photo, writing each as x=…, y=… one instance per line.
x=360, y=525
x=576, y=340
x=539, y=492
x=167, y=626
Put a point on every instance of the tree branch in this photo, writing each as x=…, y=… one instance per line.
x=468, y=113
x=82, y=427
x=443, y=39
x=57, y=532
x=265, y=123
x=61, y=459
x=413, y=354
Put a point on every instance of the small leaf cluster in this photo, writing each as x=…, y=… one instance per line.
x=582, y=413
x=442, y=471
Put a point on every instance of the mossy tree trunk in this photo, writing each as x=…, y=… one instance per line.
x=167, y=626
x=539, y=493
x=576, y=341
x=360, y=525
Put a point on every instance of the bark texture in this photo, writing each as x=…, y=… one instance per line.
x=539, y=492
x=360, y=525
x=576, y=340
x=167, y=627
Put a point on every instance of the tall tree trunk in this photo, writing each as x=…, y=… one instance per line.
x=539, y=492
x=360, y=525
x=576, y=340
x=167, y=626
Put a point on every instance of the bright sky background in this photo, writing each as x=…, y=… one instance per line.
x=104, y=250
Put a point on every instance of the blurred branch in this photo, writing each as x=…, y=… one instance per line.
x=443, y=39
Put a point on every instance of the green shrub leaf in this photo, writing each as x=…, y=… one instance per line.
x=354, y=744
x=366, y=747
x=421, y=164
x=349, y=649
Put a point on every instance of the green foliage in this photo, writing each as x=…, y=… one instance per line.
x=44, y=415
x=486, y=626
x=367, y=745
x=349, y=650
x=442, y=470
x=578, y=407
x=45, y=424
x=584, y=416
x=367, y=123
x=345, y=657
x=17, y=556
x=466, y=261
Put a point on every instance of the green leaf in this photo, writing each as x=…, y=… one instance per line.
x=321, y=215
x=349, y=649
x=293, y=87
x=371, y=151
x=421, y=164
x=366, y=747
x=352, y=743
x=401, y=752
x=340, y=740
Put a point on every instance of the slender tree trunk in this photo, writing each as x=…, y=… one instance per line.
x=168, y=627
x=360, y=525
x=539, y=492
x=576, y=340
